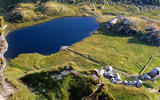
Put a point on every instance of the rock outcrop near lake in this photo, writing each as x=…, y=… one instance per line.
x=122, y=25
x=145, y=29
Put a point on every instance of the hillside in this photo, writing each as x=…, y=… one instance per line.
x=139, y=2
x=126, y=39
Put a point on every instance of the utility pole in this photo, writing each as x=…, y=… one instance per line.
x=145, y=66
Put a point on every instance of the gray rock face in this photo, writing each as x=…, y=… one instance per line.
x=14, y=15
x=151, y=28
x=152, y=37
x=123, y=25
x=128, y=27
x=6, y=89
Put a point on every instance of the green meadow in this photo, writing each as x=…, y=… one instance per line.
x=127, y=53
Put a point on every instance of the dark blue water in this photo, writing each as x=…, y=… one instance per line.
x=47, y=38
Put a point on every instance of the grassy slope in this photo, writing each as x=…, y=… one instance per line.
x=128, y=53
x=131, y=93
x=128, y=56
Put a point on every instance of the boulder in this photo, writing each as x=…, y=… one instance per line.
x=74, y=71
x=95, y=76
x=58, y=77
x=152, y=37
x=123, y=25
x=128, y=27
x=117, y=77
x=151, y=28
x=65, y=72
x=100, y=7
x=113, y=21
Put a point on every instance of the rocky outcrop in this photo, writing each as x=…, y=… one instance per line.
x=152, y=37
x=128, y=27
x=5, y=88
x=123, y=25
x=14, y=16
x=80, y=84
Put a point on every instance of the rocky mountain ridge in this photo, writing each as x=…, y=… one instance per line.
x=5, y=88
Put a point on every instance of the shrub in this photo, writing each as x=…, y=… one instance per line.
x=148, y=85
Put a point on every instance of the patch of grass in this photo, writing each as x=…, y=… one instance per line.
x=127, y=53
x=131, y=93
x=67, y=88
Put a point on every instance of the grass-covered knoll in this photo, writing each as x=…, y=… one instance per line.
x=131, y=93
x=72, y=86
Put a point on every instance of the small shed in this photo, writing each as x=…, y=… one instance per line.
x=155, y=71
x=109, y=75
x=113, y=80
x=125, y=82
x=146, y=76
x=117, y=77
x=139, y=83
x=108, y=68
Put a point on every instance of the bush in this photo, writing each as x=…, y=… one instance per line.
x=148, y=85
